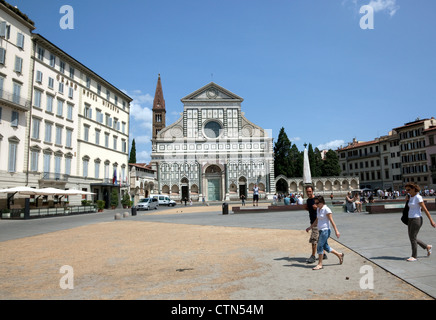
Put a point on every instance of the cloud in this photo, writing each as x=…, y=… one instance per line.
x=143, y=156
x=140, y=111
x=335, y=144
x=389, y=6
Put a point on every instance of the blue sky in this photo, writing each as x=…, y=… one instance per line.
x=305, y=65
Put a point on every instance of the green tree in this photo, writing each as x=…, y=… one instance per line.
x=331, y=165
x=114, y=198
x=317, y=164
x=132, y=158
x=282, y=163
x=297, y=159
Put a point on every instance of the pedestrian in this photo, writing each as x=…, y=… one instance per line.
x=357, y=202
x=243, y=199
x=331, y=196
x=349, y=203
x=256, y=195
x=416, y=204
x=186, y=200
x=275, y=199
x=311, y=207
x=323, y=222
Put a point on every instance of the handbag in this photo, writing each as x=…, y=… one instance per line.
x=405, y=216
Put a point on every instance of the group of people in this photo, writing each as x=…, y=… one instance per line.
x=321, y=222
x=354, y=203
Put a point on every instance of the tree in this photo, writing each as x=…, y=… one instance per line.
x=297, y=160
x=114, y=198
x=331, y=165
x=282, y=164
x=132, y=158
x=317, y=165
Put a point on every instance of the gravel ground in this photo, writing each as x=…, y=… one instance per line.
x=127, y=259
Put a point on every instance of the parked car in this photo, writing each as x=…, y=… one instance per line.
x=147, y=204
x=164, y=200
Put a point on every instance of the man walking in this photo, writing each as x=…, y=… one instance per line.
x=311, y=207
x=256, y=195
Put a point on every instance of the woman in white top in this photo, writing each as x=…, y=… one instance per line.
x=323, y=221
x=416, y=204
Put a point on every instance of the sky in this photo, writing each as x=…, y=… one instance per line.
x=323, y=70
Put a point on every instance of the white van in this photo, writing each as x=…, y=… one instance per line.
x=164, y=200
x=147, y=204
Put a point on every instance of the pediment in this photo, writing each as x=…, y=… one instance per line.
x=212, y=92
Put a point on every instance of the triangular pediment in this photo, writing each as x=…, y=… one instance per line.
x=212, y=92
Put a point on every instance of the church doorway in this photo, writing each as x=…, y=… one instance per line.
x=185, y=189
x=213, y=176
x=242, y=187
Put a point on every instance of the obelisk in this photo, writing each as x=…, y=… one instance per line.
x=307, y=177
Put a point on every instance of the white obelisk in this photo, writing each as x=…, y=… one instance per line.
x=307, y=177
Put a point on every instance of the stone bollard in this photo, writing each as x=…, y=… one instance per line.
x=117, y=216
x=125, y=214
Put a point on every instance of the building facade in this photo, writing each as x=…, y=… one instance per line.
x=15, y=93
x=142, y=181
x=212, y=151
x=61, y=124
x=391, y=161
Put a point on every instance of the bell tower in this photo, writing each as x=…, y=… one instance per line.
x=158, y=109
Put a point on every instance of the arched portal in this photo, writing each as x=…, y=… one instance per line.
x=213, y=175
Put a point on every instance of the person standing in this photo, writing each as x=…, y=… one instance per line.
x=323, y=221
x=311, y=207
x=416, y=204
x=243, y=199
x=256, y=195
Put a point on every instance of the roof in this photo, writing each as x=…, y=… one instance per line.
x=432, y=128
x=142, y=166
x=37, y=37
x=410, y=124
x=159, y=101
x=18, y=13
x=214, y=87
x=358, y=145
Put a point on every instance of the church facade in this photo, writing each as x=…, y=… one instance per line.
x=212, y=152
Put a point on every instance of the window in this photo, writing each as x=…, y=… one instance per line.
x=72, y=72
x=62, y=67
x=69, y=140
x=20, y=40
x=69, y=111
x=123, y=145
x=70, y=92
x=61, y=87
x=60, y=108
x=14, y=119
x=49, y=103
x=48, y=127
x=58, y=159
x=37, y=98
x=58, y=135
x=47, y=160
x=38, y=76
x=108, y=95
x=34, y=158
x=88, y=111
x=36, y=123
x=106, y=140
x=88, y=82
x=99, y=116
x=52, y=60
x=13, y=147
x=115, y=143
x=40, y=54
x=16, y=93
x=97, y=136
x=123, y=127
x=85, y=167
x=67, y=165
x=97, y=169
x=2, y=56
x=86, y=133
x=98, y=88
x=50, y=83
x=18, y=64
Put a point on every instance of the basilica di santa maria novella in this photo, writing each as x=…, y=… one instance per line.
x=212, y=151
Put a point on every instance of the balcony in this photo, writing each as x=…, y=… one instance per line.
x=14, y=100
x=52, y=176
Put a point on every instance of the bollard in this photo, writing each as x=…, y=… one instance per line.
x=125, y=214
x=117, y=216
x=225, y=208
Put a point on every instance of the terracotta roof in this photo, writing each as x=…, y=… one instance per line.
x=410, y=124
x=432, y=128
x=142, y=166
x=358, y=145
